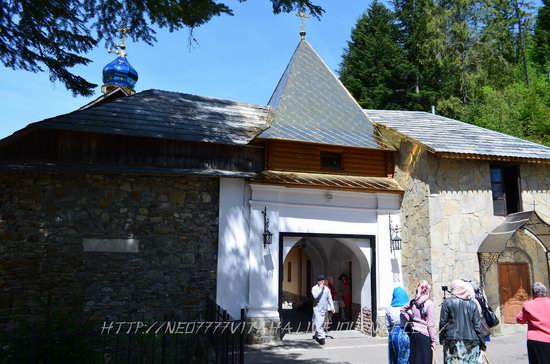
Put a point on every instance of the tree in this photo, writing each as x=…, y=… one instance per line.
x=421, y=35
x=374, y=68
x=54, y=35
x=497, y=43
x=523, y=24
x=542, y=37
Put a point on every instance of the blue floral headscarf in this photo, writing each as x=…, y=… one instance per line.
x=399, y=298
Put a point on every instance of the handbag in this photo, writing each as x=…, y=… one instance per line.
x=483, y=358
x=434, y=358
x=490, y=317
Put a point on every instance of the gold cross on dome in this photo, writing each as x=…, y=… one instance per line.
x=302, y=15
x=120, y=49
x=123, y=32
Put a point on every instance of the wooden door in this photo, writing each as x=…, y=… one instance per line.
x=514, y=285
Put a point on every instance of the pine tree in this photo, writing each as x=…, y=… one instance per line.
x=497, y=44
x=542, y=37
x=421, y=36
x=54, y=35
x=523, y=24
x=374, y=68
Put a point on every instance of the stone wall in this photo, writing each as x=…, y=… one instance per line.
x=44, y=219
x=362, y=319
x=447, y=211
x=411, y=172
x=535, y=187
x=461, y=215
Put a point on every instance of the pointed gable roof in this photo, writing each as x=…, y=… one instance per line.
x=311, y=105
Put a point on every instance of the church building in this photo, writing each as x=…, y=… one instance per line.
x=148, y=202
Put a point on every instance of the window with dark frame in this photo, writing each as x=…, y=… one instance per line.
x=505, y=188
x=289, y=272
x=331, y=160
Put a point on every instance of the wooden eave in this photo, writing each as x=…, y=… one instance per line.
x=259, y=140
x=329, y=182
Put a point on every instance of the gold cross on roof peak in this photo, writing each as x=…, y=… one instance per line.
x=302, y=15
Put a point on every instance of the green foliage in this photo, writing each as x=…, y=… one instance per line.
x=422, y=37
x=517, y=109
x=54, y=35
x=57, y=337
x=477, y=61
x=542, y=37
x=374, y=67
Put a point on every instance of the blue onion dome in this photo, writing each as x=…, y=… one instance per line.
x=119, y=73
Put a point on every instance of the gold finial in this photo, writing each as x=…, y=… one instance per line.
x=120, y=49
x=303, y=16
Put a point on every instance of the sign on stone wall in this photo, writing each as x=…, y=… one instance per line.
x=110, y=245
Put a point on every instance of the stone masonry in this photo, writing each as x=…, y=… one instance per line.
x=446, y=212
x=411, y=172
x=44, y=219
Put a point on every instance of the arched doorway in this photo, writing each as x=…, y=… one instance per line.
x=511, y=258
x=304, y=257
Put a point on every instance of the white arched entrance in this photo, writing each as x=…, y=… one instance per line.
x=331, y=255
x=348, y=223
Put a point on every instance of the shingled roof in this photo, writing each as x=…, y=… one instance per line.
x=311, y=105
x=168, y=115
x=457, y=139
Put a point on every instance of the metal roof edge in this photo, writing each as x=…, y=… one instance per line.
x=491, y=157
x=86, y=168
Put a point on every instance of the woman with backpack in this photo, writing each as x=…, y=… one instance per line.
x=419, y=314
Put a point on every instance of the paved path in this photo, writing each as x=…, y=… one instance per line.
x=351, y=347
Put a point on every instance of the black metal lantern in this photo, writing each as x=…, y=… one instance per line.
x=395, y=240
x=267, y=235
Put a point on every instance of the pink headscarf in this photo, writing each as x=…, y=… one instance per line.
x=422, y=291
x=462, y=289
x=465, y=291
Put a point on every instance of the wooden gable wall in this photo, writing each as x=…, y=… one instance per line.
x=306, y=157
x=81, y=150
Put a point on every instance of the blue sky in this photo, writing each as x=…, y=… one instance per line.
x=237, y=57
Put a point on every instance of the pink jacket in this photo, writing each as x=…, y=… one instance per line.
x=423, y=324
x=536, y=314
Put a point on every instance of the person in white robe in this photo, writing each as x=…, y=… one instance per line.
x=322, y=303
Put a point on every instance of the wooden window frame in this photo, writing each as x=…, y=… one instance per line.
x=506, y=172
x=331, y=153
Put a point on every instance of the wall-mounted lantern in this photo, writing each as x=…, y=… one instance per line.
x=267, y=235
x=395, y=240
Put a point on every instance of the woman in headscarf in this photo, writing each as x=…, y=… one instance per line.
x=398, y=341
x=536, y=314
x=419, y=314
x=460, y=325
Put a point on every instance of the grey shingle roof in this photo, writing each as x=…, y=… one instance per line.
x=169, y=115
x=311, y=105
x=443, y=135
